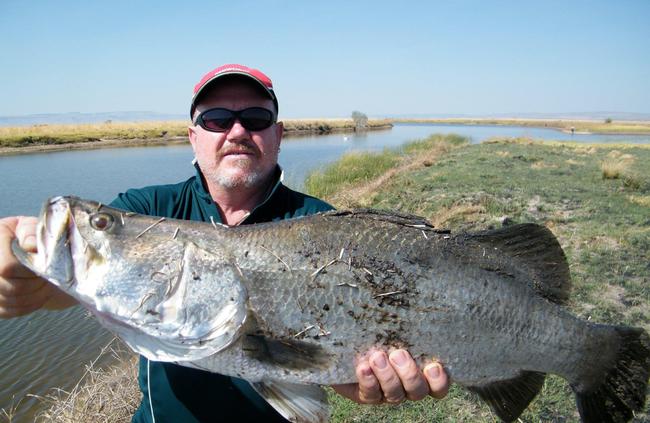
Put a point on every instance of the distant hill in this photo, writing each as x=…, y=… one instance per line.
x=77, y=118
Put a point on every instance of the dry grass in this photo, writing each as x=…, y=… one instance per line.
x=9, y=412
x=508, y=140
x=57, y=134
x=642, y=200
x=101, y=395
x=21, y=136
x=616, y=165
x=461, y=211
x=542, y=165
x=574, y=162
x=329, y=125
x=579, y=126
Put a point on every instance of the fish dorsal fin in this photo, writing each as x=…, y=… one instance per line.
x=509, y=398
x=534, y=247
x=403, y=219
x=295, y=402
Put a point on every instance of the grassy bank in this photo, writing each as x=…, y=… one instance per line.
x=43, y=135
x=595, y=198
x=19, y=136
x=579, y=126
x=325, y=126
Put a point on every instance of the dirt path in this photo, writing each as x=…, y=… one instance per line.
x=359, y=195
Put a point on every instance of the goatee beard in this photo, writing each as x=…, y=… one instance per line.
x=250, y=179
x=230, y=182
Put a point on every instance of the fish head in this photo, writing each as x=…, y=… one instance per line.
x=169, y=299
x=73, y=241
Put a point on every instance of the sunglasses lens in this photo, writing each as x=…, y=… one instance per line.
x=217, y=119
x=256, y=118
x=220, y=120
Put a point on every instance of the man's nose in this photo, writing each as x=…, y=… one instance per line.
x=237, y=132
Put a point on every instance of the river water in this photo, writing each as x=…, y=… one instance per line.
x=50, y=349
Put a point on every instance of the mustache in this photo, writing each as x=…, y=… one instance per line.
x=241, y=147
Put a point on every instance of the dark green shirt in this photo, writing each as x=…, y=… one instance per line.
x=173, y=393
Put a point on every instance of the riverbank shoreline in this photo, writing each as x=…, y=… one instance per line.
x=56, y=138
x=578, y=127
x=292, y=128
x=91, y=145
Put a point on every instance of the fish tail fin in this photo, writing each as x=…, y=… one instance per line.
x=623, y=389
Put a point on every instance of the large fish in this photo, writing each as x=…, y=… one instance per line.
x=287, y=305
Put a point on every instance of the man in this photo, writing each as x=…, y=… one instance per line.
x=236, y=140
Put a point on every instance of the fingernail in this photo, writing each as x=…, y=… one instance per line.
x=433, y=371
x=29, y=242
x=380, y=361
x=399, y=358
x=366, y=371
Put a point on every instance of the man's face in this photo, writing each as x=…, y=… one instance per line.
x=236, y=158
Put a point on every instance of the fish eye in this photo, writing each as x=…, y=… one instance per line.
x=101, y=221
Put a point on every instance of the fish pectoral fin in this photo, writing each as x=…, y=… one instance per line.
x=509, y=398
x=287, y=353
x=295, y=402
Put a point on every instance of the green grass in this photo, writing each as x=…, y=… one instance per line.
x=352, y=168
x=360, y=167
x=554, y=404
x=602, y=223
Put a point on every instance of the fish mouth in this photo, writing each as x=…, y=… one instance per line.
x=53, y=259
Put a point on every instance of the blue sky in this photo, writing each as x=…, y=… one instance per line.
x=331, y=57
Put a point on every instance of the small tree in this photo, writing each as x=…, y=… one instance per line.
x=360, y=120
x=608, y=120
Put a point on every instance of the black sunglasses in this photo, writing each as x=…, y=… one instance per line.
x=221, y=120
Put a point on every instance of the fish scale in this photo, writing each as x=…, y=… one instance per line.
x=288, y=305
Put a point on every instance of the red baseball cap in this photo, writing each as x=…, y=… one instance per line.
x=233, y=69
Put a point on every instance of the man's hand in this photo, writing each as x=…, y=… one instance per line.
x=21, y=291
x=393, y=379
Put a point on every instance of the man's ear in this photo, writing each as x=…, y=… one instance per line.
x=279, y=130
x=192, y=135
